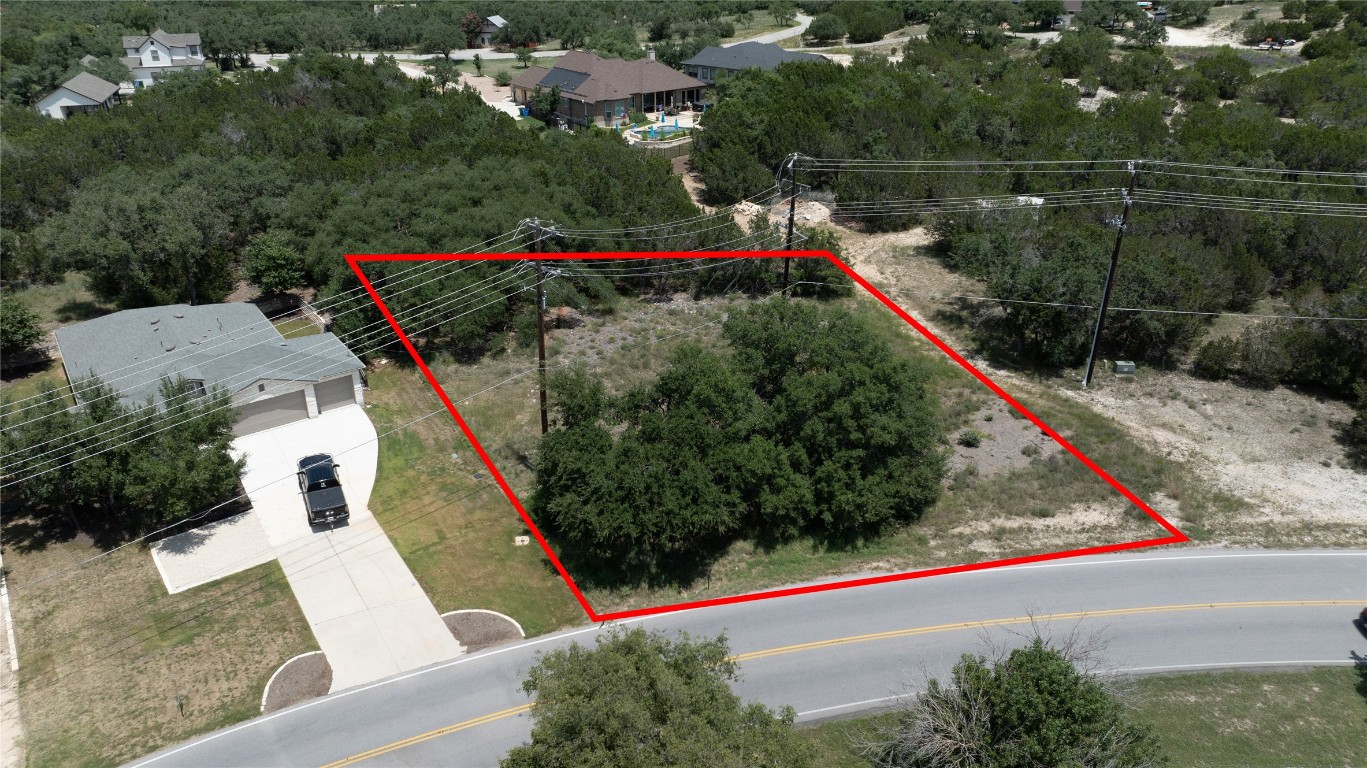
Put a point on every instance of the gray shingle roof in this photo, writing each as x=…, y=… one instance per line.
x=497, y=21
x=91, y=87
x=232, y=346
x=747, y=55
x=165, y=38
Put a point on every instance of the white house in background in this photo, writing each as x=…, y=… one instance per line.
x=82, y=93
x=491, y=27
x=146, y=56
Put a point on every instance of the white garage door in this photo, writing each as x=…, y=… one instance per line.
x=271, y=412
x=334, y=393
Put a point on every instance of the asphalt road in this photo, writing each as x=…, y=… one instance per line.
x=834, y=653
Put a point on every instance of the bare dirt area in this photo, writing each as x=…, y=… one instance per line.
x=300, y=679
x=1274, y=449
x=1266, y=463
x=477, y=630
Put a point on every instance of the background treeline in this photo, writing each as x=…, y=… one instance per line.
x=202, y=180
x=164, y=200
x=44, y=41
x=805, y=425
x=949, y=101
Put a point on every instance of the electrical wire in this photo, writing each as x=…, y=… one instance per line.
x=27, y=460
x=328, y=303
x=461, y=401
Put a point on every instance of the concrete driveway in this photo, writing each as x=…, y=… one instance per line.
x=370, y=616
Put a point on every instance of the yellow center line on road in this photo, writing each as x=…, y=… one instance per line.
x=1026, y=620
x=511, y=711
x=411, y=740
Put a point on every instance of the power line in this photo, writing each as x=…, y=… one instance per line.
x=144, y=367
x=461, y=401
x=27, y=460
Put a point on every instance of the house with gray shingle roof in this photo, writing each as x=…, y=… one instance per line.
x=82, y=93
x=598, y=90
x=714, y=62
x=159, y=53
x=273, y=380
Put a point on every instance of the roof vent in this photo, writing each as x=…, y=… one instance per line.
x=177, y=314
x=168, y=347
x=154, y=321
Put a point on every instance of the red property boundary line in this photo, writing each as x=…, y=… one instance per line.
x=1175, y=536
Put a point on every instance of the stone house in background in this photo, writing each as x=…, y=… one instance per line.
x=594, y=90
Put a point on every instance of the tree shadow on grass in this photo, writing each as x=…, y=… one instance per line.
x=34, y=533
x=679, y=570
x=77, y=309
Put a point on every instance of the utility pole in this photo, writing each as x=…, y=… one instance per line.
x=541, y=326
x=1110, y=279
x=792, y=213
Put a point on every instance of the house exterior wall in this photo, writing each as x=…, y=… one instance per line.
x=62, y=102
x=146, y=76
x=274, y=388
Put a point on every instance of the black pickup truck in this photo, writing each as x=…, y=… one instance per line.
x=323, y=497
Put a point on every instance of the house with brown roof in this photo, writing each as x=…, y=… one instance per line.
x=82, y=93
x=161, y=52
x=595, y=90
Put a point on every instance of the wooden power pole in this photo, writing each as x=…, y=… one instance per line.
x=1110, y=281
x=792, y=213
x=541, y=327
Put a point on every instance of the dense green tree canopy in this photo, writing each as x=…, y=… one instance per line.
x=643, y=700
x=118, y=470
x=810, y=426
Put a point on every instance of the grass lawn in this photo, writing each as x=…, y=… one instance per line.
x=1308, y=718
x=998, y=502
x=23, y=383
x=67, y=301
x=446, y=516
x=493, y=66
x=761, y=24
x=105, y=651
x=1268, y=718
x=294, y=327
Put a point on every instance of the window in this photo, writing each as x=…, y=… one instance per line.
x=260, y=387
x=194, y=50
x=156, y=55
x=196, y=388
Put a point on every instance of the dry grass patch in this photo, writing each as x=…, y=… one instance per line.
x=105, y=652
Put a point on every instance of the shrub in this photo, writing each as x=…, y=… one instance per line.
x=826, y=28
x=866, y=28
x=1323, y=16
x=1277, y=30
x=970, y=438
x=1264, y=358
x=1031, y=450
x=1217, y=359
x=1293, y=9
x=18, y=326
x=503, y=79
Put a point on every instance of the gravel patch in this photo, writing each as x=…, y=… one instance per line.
x=301, y=678
x=477, y=630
